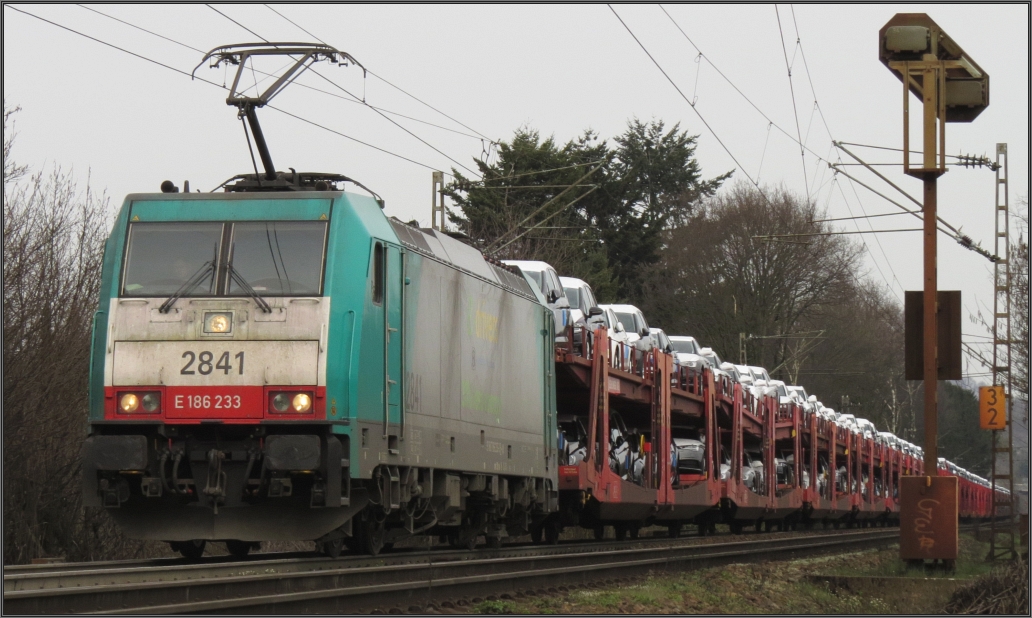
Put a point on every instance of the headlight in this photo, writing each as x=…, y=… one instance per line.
x=281, y=402
x=145, y=402
x=219, y=323
x=129, y=402
x=289, y=402
x=302, y=403
x=150, y=402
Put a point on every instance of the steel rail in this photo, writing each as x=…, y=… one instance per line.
x=364, y=583
x=54, y=574
x=78, y=574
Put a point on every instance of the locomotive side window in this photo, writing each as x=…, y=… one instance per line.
x=163, y=257
x=278, y=258
x=378, y=273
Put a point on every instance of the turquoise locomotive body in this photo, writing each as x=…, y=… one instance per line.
x=295, y=365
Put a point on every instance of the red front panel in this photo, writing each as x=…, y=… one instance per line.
x=232, y=404
x=204, y=402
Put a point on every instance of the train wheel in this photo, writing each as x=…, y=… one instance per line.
x=600, y=532
x=351, y=543
x=736, y=527
x=373, y=533
x=494, y=542
x=552, y=531
x=332, y=548
x=621, y=532
x=635, y=530
x=468, y=540
x=674, y=530
x=535, y=534
x=711, y=528
x=240, y=549
x=192, y=550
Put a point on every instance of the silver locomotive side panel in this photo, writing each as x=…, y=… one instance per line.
x=475, y=398
x=475, y=374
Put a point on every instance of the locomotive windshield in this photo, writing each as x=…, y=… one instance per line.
x=278, y=257
x=162, y=257
x=274, y=258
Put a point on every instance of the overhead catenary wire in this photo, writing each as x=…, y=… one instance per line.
x=345, y=90
x=896, y=187
x=887, y=214
x=860, y=203
x=349, y=99
x=827, y=128
x=798, y=141
x=837, y=233
x=217, y=85
x=954, y=233
x=384, y=80
x=546, y=219
x=678, y=89
x=542, y=207
x=893, y=149
x=871, y=253
x=795, y=110
x=733, y=85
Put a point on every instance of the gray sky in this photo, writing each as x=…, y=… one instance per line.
x=558, y=69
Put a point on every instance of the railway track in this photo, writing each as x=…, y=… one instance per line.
x=393, y=582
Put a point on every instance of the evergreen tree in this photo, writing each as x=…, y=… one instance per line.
x=589, y=210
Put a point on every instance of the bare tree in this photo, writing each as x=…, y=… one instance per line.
x=716, y=279
x=1019, y=256
x=52, y=252
x=749, y=264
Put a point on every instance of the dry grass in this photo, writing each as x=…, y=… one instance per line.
x=1003, y=591
x=790, y=587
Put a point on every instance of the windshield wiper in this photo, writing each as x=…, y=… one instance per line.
x=191, y=283
x=235, y=276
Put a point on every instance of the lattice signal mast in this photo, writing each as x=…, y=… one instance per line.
x=1003, y=524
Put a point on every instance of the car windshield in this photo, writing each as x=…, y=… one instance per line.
x=574, y=296
x=535, y=277
x=627, y=319
x=782, y=391
x=712, y=357
x=279, y=257
x=162, y=257
x=685, y=346
x=586, y=297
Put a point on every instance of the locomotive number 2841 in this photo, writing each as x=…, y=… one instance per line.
x=204, y=363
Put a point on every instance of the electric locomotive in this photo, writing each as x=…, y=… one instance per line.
x=281, y=361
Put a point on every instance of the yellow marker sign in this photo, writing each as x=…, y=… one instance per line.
x=992, y=407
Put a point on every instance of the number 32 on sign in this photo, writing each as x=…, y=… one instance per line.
x=992, y=407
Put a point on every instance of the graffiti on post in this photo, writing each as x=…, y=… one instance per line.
x=928, y=518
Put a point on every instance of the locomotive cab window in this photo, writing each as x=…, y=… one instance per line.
x=378, y=273
x=273, y=258
x=163, y=257
x=277, y=258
